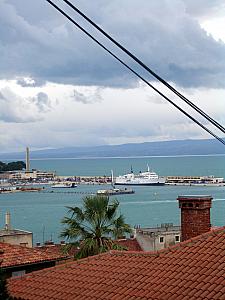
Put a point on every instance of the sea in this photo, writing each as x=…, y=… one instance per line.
x=150, y=206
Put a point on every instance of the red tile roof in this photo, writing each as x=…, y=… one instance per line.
x=15, y=255
x=194, y=269
x=130, y=244
x=58, y=249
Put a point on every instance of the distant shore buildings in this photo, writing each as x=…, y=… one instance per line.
x=28, y=173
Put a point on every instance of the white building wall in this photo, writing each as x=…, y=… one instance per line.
x=25, y=239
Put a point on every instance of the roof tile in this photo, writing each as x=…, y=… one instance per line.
x=190, y=271
x=15, y=255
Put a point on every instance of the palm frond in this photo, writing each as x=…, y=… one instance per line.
x=94, y=225
x=119, y=227
x=76, y=211
x=116, y=246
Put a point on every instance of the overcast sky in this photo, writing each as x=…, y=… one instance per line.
x=59, y=89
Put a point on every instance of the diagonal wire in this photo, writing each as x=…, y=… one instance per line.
x=195, y=107
x=134, y=72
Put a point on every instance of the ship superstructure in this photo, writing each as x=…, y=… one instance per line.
x=142, y=178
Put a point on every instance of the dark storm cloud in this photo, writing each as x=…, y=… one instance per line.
x=204, y=8
x=36, y=41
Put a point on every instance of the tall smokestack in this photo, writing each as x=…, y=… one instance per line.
x=195, y=215
x=7, y=221
x=27, y=160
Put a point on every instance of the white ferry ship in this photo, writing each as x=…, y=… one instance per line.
x=143, y=178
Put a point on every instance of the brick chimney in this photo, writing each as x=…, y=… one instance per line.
x=195, y=215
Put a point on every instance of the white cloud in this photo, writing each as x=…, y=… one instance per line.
x=122, y=115
x=29, y=82
x=17, y=109
x=88, y=96
x=59, y=89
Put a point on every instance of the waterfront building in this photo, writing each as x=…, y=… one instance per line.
x=4, y=176
x=15, y=236
x=157, y=238
x=194, y=180
x=31, y=175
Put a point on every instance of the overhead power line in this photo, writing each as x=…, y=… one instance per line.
x=133, y=71
x=195, y=107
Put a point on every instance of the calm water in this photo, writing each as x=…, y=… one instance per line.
x=41, y=212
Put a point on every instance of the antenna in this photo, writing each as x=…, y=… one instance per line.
x=43, y=233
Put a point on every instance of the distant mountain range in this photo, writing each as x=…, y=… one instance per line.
x=177, y=147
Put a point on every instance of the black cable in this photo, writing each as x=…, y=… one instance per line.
x=195, y=107
x=134, y=72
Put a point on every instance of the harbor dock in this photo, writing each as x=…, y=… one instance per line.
x=113, y=192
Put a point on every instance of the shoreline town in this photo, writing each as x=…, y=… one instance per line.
x=155, y=241
x=30, y=180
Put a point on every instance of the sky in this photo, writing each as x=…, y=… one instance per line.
x=59, y=89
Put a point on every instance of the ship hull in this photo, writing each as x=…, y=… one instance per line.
x=141, y=184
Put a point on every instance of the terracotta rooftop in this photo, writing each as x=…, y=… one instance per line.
x=58, y=249
x=15, y=255
x=130, y=244
x=194, y=269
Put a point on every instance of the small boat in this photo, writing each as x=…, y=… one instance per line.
x=68, y=185
x=143, y=178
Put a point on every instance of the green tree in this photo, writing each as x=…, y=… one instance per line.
x=12, y=166
x=95, y=226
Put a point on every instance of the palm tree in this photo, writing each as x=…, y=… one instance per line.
x=95, y=226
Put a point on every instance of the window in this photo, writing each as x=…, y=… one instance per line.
x=18, y=273
x=161, y=239
x=24, y=244
x=177, y=238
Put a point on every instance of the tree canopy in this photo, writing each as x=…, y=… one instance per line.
x=95, y=227
x=12, y=166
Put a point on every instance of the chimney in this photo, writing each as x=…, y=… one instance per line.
x=27, y=160
x=7, y=221
x=195, y=215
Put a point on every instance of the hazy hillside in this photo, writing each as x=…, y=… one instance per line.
x=184, y=147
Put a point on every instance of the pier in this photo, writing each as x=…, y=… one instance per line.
x=68, y=192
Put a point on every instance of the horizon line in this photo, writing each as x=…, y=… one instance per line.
x=118, y=157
